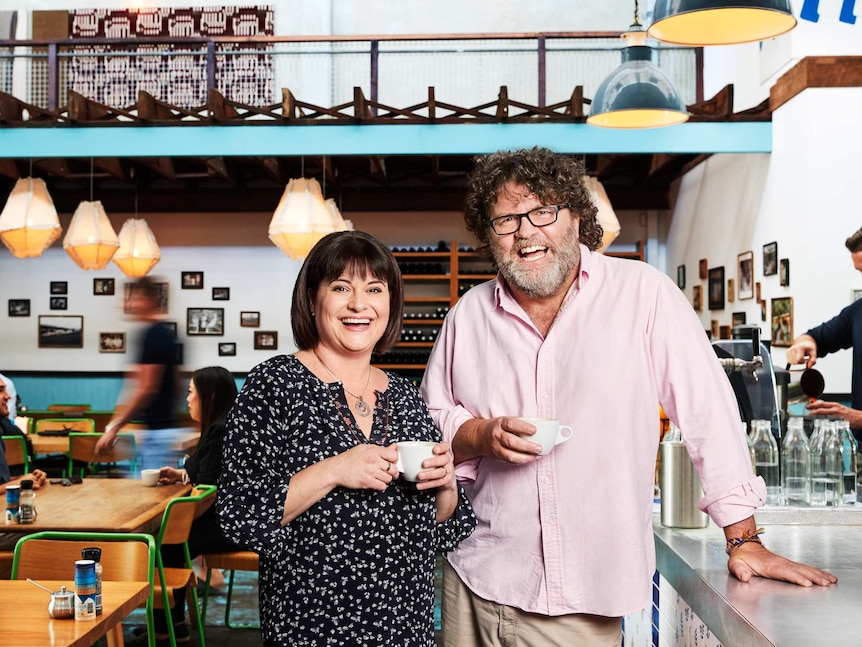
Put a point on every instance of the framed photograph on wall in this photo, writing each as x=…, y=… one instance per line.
x=724, y=332
x=784, y=271
x=762, y=310
x=697, y=298
x=745, y=275
x=731, y=290
x=782, y=321
x=204, y=321
x=715, y=289
x=103, y=287
x=266, y=340
x=163, y=298
x=680, y=277
x=221, y=294
x=19, y=307
x=249, y=319
x=770, y=259
x=227, y=349
x=59, y=287
x=757, y=291
x=192, y=280
x=59, y=303
x=737, y=319
x=713, y=328
x=61, y=331
x=112, y=342
x=701, y=268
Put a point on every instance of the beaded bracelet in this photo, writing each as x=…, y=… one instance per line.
x=747, y=536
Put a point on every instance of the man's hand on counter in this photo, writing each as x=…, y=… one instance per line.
x=836, y=410
x=750, y=559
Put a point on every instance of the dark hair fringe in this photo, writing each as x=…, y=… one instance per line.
x=216, y=391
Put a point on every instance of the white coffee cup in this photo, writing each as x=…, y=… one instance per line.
x=549, y=433
x=150, y=477
x=411, y=454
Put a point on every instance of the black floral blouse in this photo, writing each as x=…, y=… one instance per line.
x=357, y=568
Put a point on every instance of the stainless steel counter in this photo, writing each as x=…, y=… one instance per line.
x=765, y=612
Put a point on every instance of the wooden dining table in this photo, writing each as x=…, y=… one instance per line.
x=24, y=619
x=100, y=505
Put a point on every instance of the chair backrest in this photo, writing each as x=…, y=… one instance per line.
x=181, y=512
x=83, y=425
x=82, y=447
x=69, y=407
x=16, y=452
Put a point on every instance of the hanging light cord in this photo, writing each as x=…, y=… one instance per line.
x=636, y=23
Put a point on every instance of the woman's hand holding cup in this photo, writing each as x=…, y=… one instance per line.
x=367, y=467
x=438, y=471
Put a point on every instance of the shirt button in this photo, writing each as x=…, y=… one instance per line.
x=546, y=479
x=545, y=396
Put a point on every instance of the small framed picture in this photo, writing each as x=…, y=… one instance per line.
x=713, y=328
x=697, y=298
x=680, y=277
x=737, y=319
x=59, y=287
x=59, y=303
x=770, y=259
x=19, y=307
x=163, y=299
x=782, y=321
x=716, y=288
x=784, y=271
x=745, y=275
x=249, y=319
x=757, y=291
x=103, y=286
x=731, y=290
x=112, y=342
x=61, y=331
x=701, y=268
x=192, y=280
x=724, y=332
x=266, y=340
x=221, y=294
x=763, y=310
x=227, y=349
x=204, y=321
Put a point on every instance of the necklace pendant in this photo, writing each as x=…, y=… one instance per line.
x=362, y=408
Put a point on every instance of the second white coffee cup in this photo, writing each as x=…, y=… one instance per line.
x=549, y=433
x=411, y=454
x=150, y=477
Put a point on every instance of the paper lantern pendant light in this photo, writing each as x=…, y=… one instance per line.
x=605, y=212
x=29, y=222
x=91, y=240
x=139, y=251
x=300, y=219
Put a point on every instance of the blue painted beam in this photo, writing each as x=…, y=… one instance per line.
x=394, y=139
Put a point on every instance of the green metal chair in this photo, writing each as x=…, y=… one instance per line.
x=176, y=525
x=83, y=456
x=125, y=557
x=59, y=426
x=241, y=560
x=16, y=452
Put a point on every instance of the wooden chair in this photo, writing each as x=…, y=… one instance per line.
x=82, y=453
x=69, y=408
x=176, y=525
x=241, y=560
x=51, y=555
x=16, y=452
x=81, y=425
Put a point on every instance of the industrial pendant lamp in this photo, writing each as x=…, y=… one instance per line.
x=29, y=222
x=713, y=22
x=91, y=240
x=301, y=218
x=139, y=251
x=637, y=94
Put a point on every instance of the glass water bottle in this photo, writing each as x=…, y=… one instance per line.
x=796, y=465
x=848, y=442
x=827, y=466
x=766, y=459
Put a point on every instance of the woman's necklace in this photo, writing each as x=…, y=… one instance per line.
x=361, y=407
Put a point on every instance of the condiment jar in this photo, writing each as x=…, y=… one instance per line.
x=27, y=502
x=62, y=604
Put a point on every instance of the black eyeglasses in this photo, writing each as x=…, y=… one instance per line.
x=538, y=217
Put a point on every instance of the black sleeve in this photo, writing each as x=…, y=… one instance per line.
x=205, y=465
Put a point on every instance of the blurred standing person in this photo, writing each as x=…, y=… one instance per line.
x=151, y=391
x=212, y=391
x=310, y=481
x=564, y=545
x=843, y=331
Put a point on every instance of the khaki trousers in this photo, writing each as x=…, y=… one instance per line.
x=471, y=621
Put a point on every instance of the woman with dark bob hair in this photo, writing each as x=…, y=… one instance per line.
x=310, y=478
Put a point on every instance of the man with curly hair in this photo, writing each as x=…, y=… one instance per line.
x=564, y=544
x=843, y=331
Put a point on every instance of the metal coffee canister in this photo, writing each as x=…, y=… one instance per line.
x=85, y=589
x=680, y=488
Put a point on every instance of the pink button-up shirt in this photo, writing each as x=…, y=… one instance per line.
x=572, y=531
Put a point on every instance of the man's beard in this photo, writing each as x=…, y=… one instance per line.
x=534, y=282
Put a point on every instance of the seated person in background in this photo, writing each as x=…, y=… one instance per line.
x=212, y=391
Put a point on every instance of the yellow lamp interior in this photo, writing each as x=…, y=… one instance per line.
x=724, y=26
x=641, y=118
